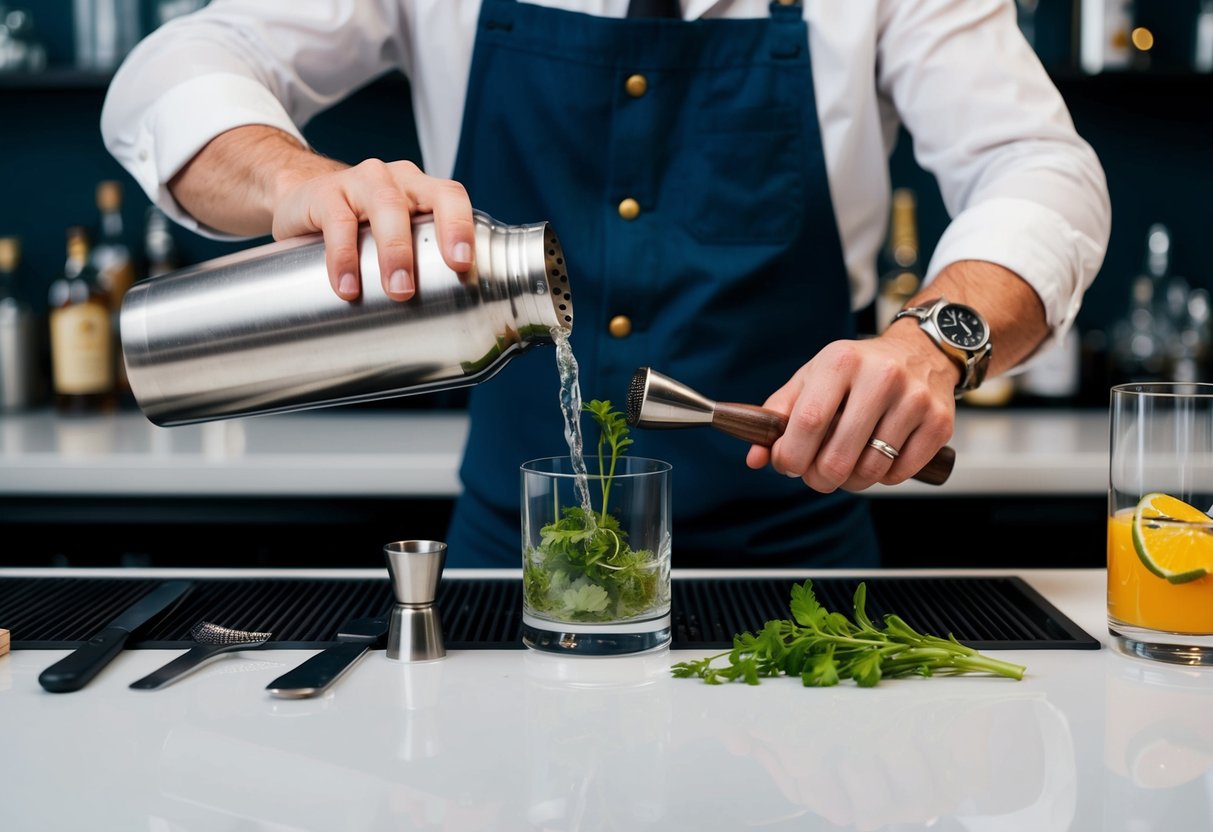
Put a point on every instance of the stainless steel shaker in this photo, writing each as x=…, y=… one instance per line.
x=262, y=331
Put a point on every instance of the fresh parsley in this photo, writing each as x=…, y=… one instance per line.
x=583, y=568
x=824, y=648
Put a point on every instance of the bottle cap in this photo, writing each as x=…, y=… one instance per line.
x=10, y=253
x=109, y=195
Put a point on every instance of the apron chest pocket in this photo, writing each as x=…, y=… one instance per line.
x=742, y=177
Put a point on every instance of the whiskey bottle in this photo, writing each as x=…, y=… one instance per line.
x=902, y=275
x=81, y=330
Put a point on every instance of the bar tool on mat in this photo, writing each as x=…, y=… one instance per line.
x=77, y=668
x=321, y=671
x=657, y=401
x=414, y=627
x=213, y=641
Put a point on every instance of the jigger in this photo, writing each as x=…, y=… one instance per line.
x=657, y=401
x=414, y=627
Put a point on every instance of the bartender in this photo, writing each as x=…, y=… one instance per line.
x=717, y=171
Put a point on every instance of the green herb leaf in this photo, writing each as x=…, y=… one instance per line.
x=824, y=647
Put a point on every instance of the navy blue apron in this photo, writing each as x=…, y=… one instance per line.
x=732, y=273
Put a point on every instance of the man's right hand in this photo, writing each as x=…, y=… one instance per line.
x=255, y=180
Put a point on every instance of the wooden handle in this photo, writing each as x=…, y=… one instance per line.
x=760, y=426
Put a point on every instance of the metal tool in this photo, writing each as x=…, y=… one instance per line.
x=321, y=671
x=261, y=331
x=76, y=669
x=214, y=641
x=414, y=627
x=657, y=401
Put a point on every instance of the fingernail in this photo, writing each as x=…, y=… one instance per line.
x=400, y=283
x=791, y=476
x=347, y=284
x=462, y=252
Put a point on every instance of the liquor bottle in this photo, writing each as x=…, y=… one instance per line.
x=111, y=257
x=21, y=372
x=902, y=274
x=1139, y=351
x=159, y=247
x=1142, y=341
x=1189, y=350
x=81, y=330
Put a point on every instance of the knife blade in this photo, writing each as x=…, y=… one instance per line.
x=76, y=669
x=321, y=671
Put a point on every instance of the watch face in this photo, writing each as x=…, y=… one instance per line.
x=961, y=326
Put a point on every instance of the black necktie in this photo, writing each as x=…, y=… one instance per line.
x=654, y=8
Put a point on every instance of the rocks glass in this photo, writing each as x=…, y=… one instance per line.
x=596, y=557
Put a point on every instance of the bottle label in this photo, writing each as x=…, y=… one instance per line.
x=81, y=349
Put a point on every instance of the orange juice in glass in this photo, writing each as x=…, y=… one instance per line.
x=1160, y=536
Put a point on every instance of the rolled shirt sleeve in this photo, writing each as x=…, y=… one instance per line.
x=236, y=63
x=1024, y=190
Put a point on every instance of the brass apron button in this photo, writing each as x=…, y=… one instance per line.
x=636, y=85
x=620, y=326
x=629, y=209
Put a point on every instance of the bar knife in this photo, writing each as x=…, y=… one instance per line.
x=76, y=669
x=321, y=671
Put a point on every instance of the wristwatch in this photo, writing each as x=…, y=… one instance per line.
x=960, y=332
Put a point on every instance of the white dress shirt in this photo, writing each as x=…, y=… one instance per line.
x=1022, y=188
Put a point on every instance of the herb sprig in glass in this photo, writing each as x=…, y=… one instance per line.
x=583, y=568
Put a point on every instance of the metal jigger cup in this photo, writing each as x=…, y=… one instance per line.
x=414, y=628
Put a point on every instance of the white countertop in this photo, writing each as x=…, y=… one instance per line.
x=340, y=452
x=515, y=740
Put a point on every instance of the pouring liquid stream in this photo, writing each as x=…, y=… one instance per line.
x=570, y=407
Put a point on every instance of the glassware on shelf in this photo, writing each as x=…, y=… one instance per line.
x=1105, y=35
x=167, y=10
x=1202, y=52
x=106, y=30
x=20, y=51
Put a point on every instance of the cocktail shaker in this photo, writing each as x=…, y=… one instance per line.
x=261, y=331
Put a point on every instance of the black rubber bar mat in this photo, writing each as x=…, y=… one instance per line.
x=987, y=613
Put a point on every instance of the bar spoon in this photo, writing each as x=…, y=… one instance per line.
x=213, y=641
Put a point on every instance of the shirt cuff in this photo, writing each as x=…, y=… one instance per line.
x=1032, y=240
x=183, y=121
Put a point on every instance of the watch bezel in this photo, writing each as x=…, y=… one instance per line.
x=938, y=309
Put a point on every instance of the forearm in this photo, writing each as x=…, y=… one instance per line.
x=1011, y=307
x=235, y=182
x=1008, y=303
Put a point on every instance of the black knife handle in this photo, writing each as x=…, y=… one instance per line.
x=316, y=674
x=77, y=668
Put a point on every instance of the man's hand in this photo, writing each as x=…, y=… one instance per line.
x=898, y=387
x=257, y=180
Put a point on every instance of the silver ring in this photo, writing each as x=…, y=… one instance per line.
x=884, y=447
